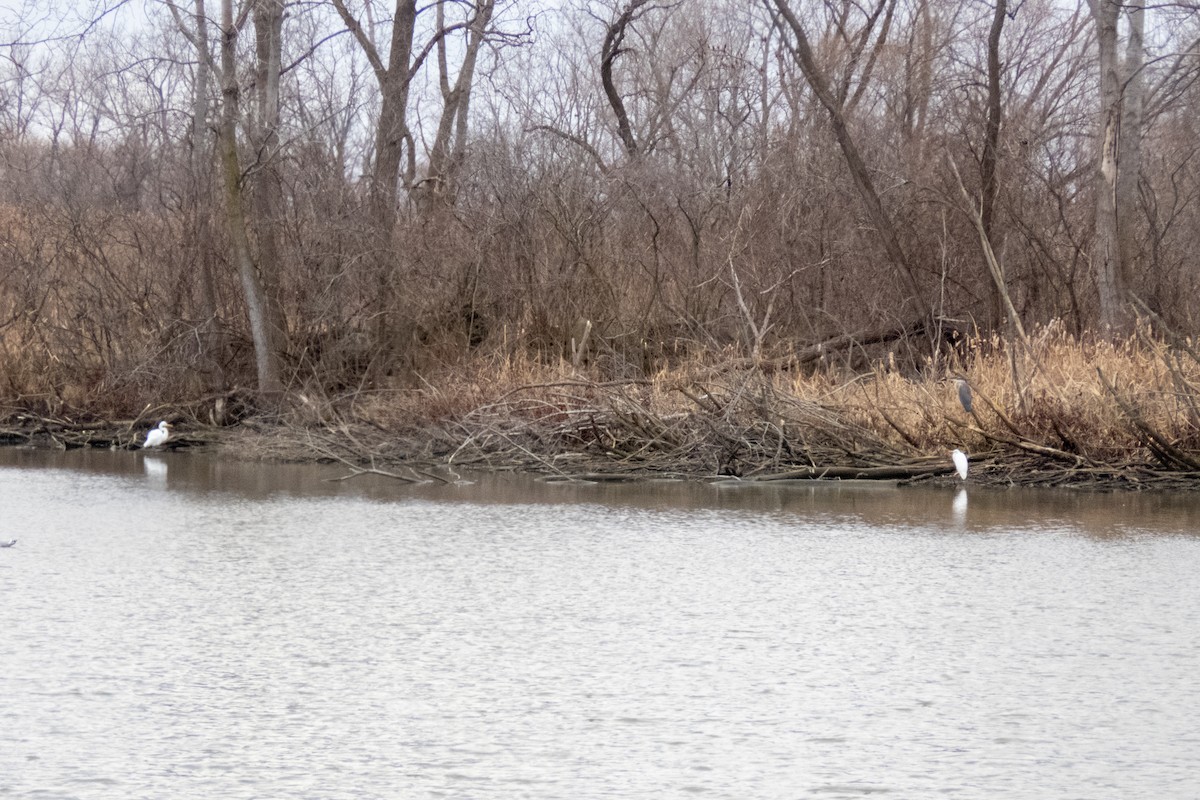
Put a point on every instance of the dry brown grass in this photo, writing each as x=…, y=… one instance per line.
x=1055, y=410
x=1110, y=413
x=1079, y=404
x=1051, y=393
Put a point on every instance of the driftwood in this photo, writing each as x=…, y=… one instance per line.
x=9, y=436
x=857, y=473
x=832, y=346
x=1032, y=447
x=595, y=477
x=614, y=432
x=1167, y=453
x=860, y=338
x=67, y=434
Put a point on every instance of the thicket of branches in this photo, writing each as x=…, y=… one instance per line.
x=387, y=188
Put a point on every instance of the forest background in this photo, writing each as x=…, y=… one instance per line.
x=719, y=231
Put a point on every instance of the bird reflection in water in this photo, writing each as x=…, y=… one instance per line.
x=155, y=468
x=960, y=506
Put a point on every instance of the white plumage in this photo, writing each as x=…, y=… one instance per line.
x=960, y=462
x=158, y=436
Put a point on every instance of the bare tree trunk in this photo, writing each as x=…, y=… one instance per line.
x=391, y=138
x=995, y=269
x=802, y=52
x=1108, y=271
x=257, y=302
x=199, y=190
x=614, y=37
x=445, y=157
x=918, y=79
x=199, y=147
x=988, y=185
x=268, y=183
x=391, y=131
x=1129, y=167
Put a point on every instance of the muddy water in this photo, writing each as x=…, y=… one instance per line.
x=174, y=626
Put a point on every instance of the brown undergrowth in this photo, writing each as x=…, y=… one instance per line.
x=1051, y=410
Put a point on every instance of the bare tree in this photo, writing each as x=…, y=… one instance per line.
x=1129, y=170
x=614, y=40
x=450, y=142
x=1118, y=162
x=200, y=144
x=833, y=99
x=258, y=302
x=391, y=128
x=267, y=186
x=392, y=141
x=988, y=183
x=771, y=177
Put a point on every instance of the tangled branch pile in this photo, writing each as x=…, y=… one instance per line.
x=1053, y=411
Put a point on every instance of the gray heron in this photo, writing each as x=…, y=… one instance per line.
x=964, y=393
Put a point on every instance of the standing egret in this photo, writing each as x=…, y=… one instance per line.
x=960, y=462
x=158, y=436
x=964, y=393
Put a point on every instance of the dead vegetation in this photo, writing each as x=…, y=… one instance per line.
x=1056, y=411
x=746, y=242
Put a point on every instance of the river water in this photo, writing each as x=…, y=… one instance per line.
x=180, y=627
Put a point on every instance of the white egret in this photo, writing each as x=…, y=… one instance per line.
x=9, y=543
x=960, y=462
x=158, y=436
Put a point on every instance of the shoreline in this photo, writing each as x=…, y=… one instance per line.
x=1057, y=412
x=419, y=454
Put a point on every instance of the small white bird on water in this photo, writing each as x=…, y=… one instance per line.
x=9, y=543
x=960, y=462
x=158, y=436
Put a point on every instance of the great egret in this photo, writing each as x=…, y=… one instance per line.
x=9, y=543
x=964, y=393
x=158, y=436
x=960, y=462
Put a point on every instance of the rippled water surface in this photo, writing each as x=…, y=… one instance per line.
x=176, y=627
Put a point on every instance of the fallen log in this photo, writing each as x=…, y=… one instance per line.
x=859, y=473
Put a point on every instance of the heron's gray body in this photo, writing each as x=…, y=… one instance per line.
x=964, y=395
